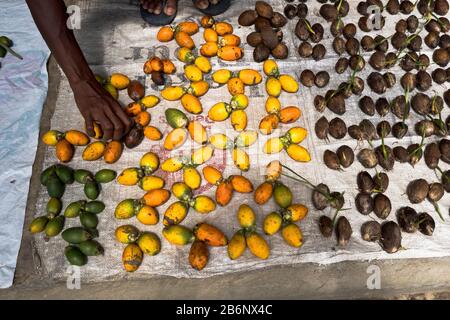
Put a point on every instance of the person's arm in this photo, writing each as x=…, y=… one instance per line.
x=94, y=102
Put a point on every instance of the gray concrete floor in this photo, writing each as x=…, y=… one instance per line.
x=406, y=279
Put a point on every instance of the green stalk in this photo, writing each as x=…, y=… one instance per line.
x=11, y=51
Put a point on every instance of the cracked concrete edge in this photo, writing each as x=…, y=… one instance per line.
x=401, y=279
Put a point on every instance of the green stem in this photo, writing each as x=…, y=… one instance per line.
x=11, y=51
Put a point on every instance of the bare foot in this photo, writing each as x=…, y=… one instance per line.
x=203, y=4
x=156, y=6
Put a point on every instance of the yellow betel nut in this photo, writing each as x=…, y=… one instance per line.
x=197, y=132
x=129, y=177
x=94, y=151
x=149, y=243
x=270, y=68
x=172, y=164
x=203, y=64
x=222, y=76
x=273, y=105
x=239, y=120
x=149, y=162
x=298, y=153
x=258, y=245
x=288, y=83
x=149, y=101
x=212, y=175
x=119, y=81
x=272, y=223
x=147, y=215
x=175, y=213
x=191, y=104
x=181, y=191
x=132, y=257
x=125, y=209
x=148, y=183
x=273, y=145
x=219, y=112
x=51, y=137
x=219, y=141
x=204, y=204
x=250, y=77
x=127, y=234
x=202, y=155
x=273, y=87
x=77, y=138
x=193, y=73
x=292, y=234
x=236, y=246
x=297, y=134
x=172, y=93
x=178, y=235
x=192, y=178
x=246, y=216
x=297, y=212
x=241, y=159
x=175, y=139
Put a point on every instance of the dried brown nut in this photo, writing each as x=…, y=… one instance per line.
x=393, y=7
x=307, y=78
x=444, y=148
x=445, y=179
x=391, y=60
x=134, y=137
x=432, y=39
x=391, y=237
x=317, y=35
x=399, y=130
x=382, y=44
x=362, y=8
x=278, y=20
x=301, y=30
x=385, y=157
x=325, y=226
x=382, y=106
x=390, y=79
x=401, y=154
x=406, y=7
x=426, y=224
x=158, y=78
x=413, y=23
x=415, y=153
x=336, y=27
x=435, y=192
x=355, y=132
x=415, y=43
x=302, y=10
x=439, y=75
x=319, y=198
x=343, y=231
x=346, y=156
x=425, y=7
x=136, y=90
x=343, y=7
x=368, y=129
x=444, y=41
x=261, y=23
x=290, y=11
x=441, y=7
x=441, y=57
x=383, y=128
x=367, y=158
x=337, y=200
x=371, y=231
x=280, y=51
x=349, y=31
x=421, y=104
x=417, y=190
x=254, y=38
x=367, y=43
x=357, y=63
x=407, y=218
x=399, y=107
x=322, y=79
x=339, y=45
x=381, y=206
x=337, y=128
x=425, y=128
x=401, y=26
x=432, y=154
x=264, y=9
x=319, y=52
x=321, y=128
x=377, y=83
x=320, y=103
x=377, y=60
x=367, y=105
x=261, y=53
x=423, y=80
x=364, y=203
x=247, y=18
x=269, y=37
x=408, y=81
x=341, y=65
x=331, y=160
x=337, y=104
x=399, y=40
x=365, y=182
x=305, y=49
x=352, y=46
x=381, y=181
x=328, y=12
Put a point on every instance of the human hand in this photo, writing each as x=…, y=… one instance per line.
x=96, y=104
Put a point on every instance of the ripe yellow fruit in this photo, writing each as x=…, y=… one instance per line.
x=236, y=246
x=246, y=216
x=149, y=101
x=76, y=138
x=147, y=215
x=149, y=243
x=181, y=191
x=272, y=223
x=270, y=68
x=219, y=112
x=172, y=93
x=297, y=134
x=235, y=86
x=246, y=138
x=149, y=162
x=273, y=145
x=292, y=234
x=198, y=88
x=222, y=76
x=273, y=105
x=192, y=178
x=250, y=77
x=202, y=155
x=191, y=104
x=298, y=153
x=297, y=212
x=288, y=83
x=175, y=139
x=52, y=137
x=203, y=64
x=212, y=175
x=239, y=120
x=94, y=151
x=178, y=235
x=148, y=183
x=129, y=177
x=273, y=87
x=197, y=132
x=132, y=257
x=258, y=245
x=193, y=73
x=127, y=234
x=172, y=164
x=241, y=159
x=175, y=213
x=220, y=141
x=119, y=81
x=204, y=204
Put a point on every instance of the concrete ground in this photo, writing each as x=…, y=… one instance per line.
x=406, y=279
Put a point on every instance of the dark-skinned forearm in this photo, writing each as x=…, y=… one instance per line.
x=51, y=17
